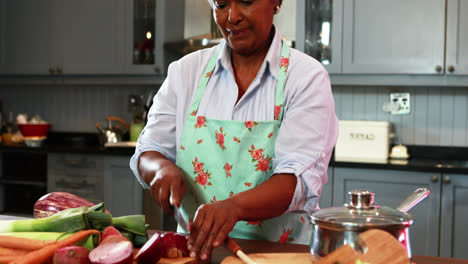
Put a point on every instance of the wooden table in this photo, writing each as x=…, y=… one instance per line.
x=254, y=246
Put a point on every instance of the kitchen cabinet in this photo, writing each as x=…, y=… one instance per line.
x=391, y=187
x=97, y=178
x=394, y=36
x=62, y=37
x=123, y=195
x=165, y=19
x=422, y=42
x=80, y=174
x=454, y=213
x=326, y=197
x=319, y=31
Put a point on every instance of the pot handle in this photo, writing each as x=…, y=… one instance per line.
x=417, y=196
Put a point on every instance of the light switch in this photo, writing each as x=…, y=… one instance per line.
x=403, y=102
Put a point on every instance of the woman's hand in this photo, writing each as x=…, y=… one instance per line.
x=165, y=179
x=210, y=228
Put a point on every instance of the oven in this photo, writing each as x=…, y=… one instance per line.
x=23, y=179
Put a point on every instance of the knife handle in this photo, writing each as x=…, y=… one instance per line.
x=232, y=245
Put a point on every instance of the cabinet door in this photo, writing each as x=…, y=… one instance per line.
x=457, y=37
x=391, y=187
x=454, y=216
x=396, y=36
x=26, y=38
x=325, y=18
x=123, y=195
x=327, y=191
x=168, y=27
x=90, y=36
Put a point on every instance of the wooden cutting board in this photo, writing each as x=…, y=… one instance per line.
x=273, y=258
x=178, y=261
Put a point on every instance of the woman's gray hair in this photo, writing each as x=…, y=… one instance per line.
x=212, y=3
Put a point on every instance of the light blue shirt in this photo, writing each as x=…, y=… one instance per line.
x=308, y=131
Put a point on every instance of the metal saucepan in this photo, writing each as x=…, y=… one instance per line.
x=337, y=226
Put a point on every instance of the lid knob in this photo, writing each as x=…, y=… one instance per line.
x=361, y=199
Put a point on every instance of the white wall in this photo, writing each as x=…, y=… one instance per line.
x=198, y=12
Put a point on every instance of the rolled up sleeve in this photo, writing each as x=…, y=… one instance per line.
x=307, y=136
x=159, y=134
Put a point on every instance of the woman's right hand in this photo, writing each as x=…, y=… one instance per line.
x=165, y=179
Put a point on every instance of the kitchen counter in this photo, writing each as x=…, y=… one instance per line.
x=255, y=246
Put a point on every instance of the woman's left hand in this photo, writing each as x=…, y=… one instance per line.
x=210, y=228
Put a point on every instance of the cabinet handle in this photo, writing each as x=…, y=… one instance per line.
x=438, y=68
x=51, y=70
x=450, y=68
x=446, y=179
x=58, y=70
x=435, y=179
x=157, y=70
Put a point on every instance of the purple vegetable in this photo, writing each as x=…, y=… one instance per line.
x=55, y=202
x=168, y=245
x=71, y=255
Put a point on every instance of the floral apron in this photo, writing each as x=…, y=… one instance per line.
x=221, y=158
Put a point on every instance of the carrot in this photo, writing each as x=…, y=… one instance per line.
x=22, y=242
x=12, y=251
x=46, y=253
x=8, y=259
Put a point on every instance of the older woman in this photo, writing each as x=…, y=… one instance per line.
x=240, y=135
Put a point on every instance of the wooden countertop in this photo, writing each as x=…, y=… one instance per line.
x=254, y=246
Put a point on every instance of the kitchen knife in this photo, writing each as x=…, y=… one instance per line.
x=228, y=243
x=181, y=220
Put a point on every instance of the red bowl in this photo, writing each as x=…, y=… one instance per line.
x=34, y=130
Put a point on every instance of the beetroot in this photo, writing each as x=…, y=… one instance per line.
x=168, y=245
x=110, y=231
x=114, y=249
x=55, y=202
x=71, y=255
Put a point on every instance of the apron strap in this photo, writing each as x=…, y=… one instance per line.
x=279, y=96
x=282, y=72
x=203, y=82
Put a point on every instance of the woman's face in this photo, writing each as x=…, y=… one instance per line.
x=245, y=24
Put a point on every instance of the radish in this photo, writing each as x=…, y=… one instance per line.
x=71, y=255
x=114, y=249
x=110, y=231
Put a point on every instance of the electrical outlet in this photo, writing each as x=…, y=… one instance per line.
x=403, y=102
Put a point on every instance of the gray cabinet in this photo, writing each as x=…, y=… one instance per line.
x=80, y=174
x=96, y=178
x=168, y=26
x=391, y=188
x=457, y=37
x=123, y=195
x=394, y=36
x=62, y=37
x=326, y=197
x=454, y=216
x=26, y=36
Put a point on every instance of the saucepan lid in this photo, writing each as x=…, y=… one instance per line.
x=361, y=212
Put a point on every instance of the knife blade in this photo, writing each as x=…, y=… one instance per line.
x=180, y=219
